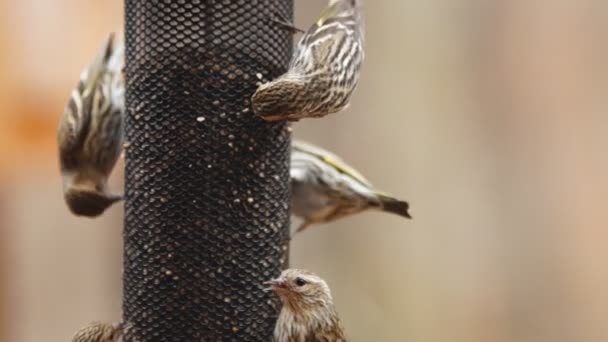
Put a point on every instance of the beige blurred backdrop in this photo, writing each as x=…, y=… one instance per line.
x=489, y=117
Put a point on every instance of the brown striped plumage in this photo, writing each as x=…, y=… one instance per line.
x=90, y=134
x=308, y=313
x=99, y=332
x=324, y=70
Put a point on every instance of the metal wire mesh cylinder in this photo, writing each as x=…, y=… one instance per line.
x=207, y=182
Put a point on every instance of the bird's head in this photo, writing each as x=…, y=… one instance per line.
x=301, y=291
x=279, y=99
x=84, y=201
x=99, y=332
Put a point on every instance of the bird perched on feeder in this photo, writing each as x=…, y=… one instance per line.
x=324, y=188
x=90, y=133
x=307, y=312
x=324, y=69
x=99, y=332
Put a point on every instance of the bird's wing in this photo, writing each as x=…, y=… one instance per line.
x=97, y=69
x=116, y=66
x=73, y=128
x=332, y=160
x=336, y=8
x=76, y=118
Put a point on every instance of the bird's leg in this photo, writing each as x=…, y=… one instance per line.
x=281, y=21
x=303, y=226
x=116, y=197
x=125, y=146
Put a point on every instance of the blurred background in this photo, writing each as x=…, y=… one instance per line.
x=489, y=117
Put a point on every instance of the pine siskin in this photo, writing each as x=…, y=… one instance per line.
x=324, y=188
x=99, y=332
x=308, y=312
x=324, y=70
x=90, y=133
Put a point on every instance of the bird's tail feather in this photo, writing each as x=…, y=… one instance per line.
x=393, y=205
x=98, y=67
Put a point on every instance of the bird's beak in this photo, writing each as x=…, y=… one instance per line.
x=275, y=284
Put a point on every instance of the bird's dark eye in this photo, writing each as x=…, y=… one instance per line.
x=301, y=282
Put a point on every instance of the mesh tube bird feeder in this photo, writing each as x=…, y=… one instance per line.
x=207, y=182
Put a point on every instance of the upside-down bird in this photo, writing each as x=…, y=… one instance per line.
x=324, y=188
x=307, y=313
x=99, y=332
x=324, y=69
x=90, y=133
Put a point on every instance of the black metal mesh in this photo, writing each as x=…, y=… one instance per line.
x=207, y=182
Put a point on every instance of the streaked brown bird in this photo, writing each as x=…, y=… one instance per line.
x=307, y=313
x=324, y=188
x=99, y=332
x=90, y=134
x=324, y=70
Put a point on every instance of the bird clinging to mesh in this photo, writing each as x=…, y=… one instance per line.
x=324, y=70
x=90, y=133
x=324, y=188
x=99, y=332
x=307, y=312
